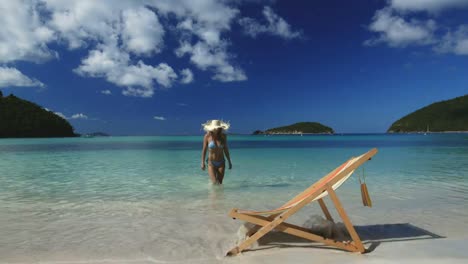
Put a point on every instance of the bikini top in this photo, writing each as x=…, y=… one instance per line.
x=212, y=145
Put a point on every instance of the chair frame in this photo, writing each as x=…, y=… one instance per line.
x=265, y=224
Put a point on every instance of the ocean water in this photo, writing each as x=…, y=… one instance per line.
x=145, y=199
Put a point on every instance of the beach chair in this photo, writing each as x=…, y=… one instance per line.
x=266, y=221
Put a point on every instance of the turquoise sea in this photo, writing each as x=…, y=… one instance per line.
x=146, y=198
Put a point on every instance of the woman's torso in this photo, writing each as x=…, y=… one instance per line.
x=216, y=147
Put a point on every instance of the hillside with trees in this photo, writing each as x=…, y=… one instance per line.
x=20, y=118
x=444, y=116
x=298, y=128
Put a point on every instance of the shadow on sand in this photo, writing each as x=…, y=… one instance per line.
x=371, y=235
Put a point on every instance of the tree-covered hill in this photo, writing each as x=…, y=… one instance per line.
x=450, y=115
x=21, y=118
x=299, y=128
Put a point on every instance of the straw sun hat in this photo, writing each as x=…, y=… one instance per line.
x=211, y=125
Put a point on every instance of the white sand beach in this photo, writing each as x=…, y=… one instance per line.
x=148, y=232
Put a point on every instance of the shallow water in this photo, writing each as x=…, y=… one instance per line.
x=146, y=199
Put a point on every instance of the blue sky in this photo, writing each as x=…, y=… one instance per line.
x=157, y=67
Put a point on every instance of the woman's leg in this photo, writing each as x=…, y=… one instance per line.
x=212, y=170
x=220, y=172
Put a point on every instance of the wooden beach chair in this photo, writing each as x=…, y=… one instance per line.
x=266, y=221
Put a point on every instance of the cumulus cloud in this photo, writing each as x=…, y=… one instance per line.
x=160, y=118
x=275, y=25
x=61, y=115
x=23, y=35
x=79, y=116
x=74, y=116
x=82, y=22
x=455, y=42
x=397, y=32
x=12, y=77
x=187, y=76
x=142, y=32
x=207, y=21
x=113, y=64
x=427, y=5
x=118, y=35
x=106, y=92
x=396, y=26
x=215, y=58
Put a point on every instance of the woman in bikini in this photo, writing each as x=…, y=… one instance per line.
x=216, y=142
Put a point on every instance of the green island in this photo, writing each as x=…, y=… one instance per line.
x=297, y=128
x=20, y=119
x=95, y=134
x=443, y=116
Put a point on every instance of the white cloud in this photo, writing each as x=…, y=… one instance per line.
x=116, y=29
x=214, y=58
x=393, y=26
x=102, y=61
x=142, y=32
x=23, y=35
x=160, y=118
x=208, y=14
x=75, y=116
x=117, y=33
x=114, y=65
x=106, y=92
x=79, y=116
x=206, y=20
x=187, y=76
x=276, y=25
x=455, y=42
x=144, y=75
x=163, y=74
x=82, y=22
x=427, y=5
x=12, y=77
x=61, y=115
x=397, y=32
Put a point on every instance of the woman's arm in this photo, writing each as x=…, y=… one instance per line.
x=226, y=152
x=203, y=155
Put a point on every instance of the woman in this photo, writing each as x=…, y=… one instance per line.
x=216, y=141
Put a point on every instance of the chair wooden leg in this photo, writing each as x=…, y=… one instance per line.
x=292, y=230
x=325, y=210
x=260, y=233
x=255, y=228
x=349, y=226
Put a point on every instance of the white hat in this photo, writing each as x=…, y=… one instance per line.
x=211, y=125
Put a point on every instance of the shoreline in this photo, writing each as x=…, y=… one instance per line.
x=239, y=134
x=430, y=132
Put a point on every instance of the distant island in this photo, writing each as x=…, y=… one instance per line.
x=444, y=116
x=95, y=134
x=297, y=128
x=20, y=118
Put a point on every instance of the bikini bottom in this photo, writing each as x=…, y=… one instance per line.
x=217, y=163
